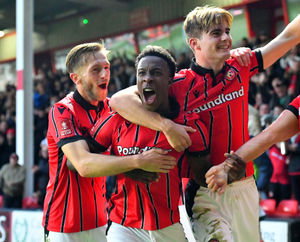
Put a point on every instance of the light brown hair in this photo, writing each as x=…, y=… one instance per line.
x=79, y=54
x=201, y=19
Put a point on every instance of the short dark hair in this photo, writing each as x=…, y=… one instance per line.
x=153, y=50
x=78, y=54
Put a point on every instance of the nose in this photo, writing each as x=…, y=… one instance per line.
x=225, y=36
x=147, y=78
x=104, y=72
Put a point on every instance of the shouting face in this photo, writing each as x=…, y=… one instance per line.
x=153, y=79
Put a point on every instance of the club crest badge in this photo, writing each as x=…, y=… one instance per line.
x=230, y=75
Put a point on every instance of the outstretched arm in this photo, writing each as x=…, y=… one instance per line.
x=93, y=165
x=282, y=129
x=127, y=103
x=288, y=38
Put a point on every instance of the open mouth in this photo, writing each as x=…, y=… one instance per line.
x=103, y=85
x=149, y=95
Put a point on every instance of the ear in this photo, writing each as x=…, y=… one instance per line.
x=194, y=44
x=75, y=78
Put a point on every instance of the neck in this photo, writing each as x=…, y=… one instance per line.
x=164, y=109
x=212, y=64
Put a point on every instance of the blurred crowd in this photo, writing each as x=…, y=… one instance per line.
x=277, y=171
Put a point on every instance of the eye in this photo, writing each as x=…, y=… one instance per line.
x=141, y=73
x=157, y=73
x=216, y=33
x=96, y=69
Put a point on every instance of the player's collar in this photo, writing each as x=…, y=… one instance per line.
x=85, y=104
x=203, y=71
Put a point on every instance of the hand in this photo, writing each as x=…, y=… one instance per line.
x=235, y=166
x=216, y=178
x=142, y=176
x=177, y=135
x=242, y=55
x=156, y=160
x=35, y=169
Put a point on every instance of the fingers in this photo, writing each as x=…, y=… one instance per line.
x=242, y=55
x=189, y=129
x=210, y=172
x=160, y=151
x=209, y=179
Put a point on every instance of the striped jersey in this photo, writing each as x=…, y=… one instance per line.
x=72, y=203
x=221, y=101
x=135, y=204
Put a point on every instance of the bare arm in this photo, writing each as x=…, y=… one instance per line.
x=127, y=103
x=288, y=38
x=93, y=165
x=282, y=129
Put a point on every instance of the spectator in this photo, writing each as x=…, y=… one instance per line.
x=279, y=182
x=11, y=140
x=12, y=179
x=294, y=165
x=41, y=172
x=280, y=95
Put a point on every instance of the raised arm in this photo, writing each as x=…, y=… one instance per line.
x=285, y=126
x=93, y=165
x=288, y=38
x=127, y=103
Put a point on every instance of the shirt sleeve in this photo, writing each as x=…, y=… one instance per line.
x=62, y=126
x=257, y=64
x=294, y=106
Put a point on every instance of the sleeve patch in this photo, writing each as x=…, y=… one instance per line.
x=64, y=126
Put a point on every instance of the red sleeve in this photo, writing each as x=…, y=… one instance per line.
x=294, y=106
x=105, y=128
x=62, y=124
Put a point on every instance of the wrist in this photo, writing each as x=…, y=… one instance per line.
x=135, y=161
x=166, y=125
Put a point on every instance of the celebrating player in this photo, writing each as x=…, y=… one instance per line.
x=149, y=212
x=216, y=88
x=74, y=207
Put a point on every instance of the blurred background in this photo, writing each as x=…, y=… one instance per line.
x=126, y=27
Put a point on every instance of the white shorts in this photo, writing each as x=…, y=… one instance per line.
x=120, y=233
x=231, y=217
x=92, y=235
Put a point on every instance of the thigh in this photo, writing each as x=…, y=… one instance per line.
x=119, y=233
x=209, y=219
x=245, y=209
x=97, y=234
x=92, y=235
x=172, y=233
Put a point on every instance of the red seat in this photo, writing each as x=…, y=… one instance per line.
x=269, y=206
x=30, y=203
x=287, y=208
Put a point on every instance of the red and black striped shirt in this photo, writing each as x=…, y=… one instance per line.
x=135, y=204
x=221, y=101
x=72, y=203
